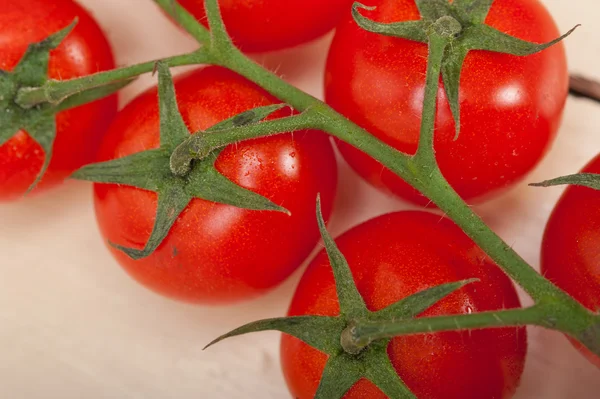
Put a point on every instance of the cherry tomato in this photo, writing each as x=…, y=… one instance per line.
x=511, y=106
x=223, y=253
x=84, y=51
x=571, y=246
x=259, y=25
x=392, y=257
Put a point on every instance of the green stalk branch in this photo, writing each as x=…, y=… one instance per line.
x=185, y=19
x=539, y=288
x=437, y=46
x=221, y=138
x=371, y=331
x=553, y=316
x=202, y=144
x=218, y=34
x=55, y=91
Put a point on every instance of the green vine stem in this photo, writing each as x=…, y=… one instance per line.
x=201, y=145
x=358, y=336
x=55, y=91
x=554, y=308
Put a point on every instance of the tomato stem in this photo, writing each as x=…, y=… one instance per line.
x=185, y=19
x=360, y=333
x=437, y=47
x=200, y=145
x=219, y=38
x=55, y=91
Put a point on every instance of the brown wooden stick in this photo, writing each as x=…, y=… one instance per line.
x=580, y=86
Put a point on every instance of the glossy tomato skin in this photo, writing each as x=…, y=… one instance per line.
x=218, y=253
x=84, y=51
x=511, y=106
x=265, y=25
x=394, y=256
x=571, y=246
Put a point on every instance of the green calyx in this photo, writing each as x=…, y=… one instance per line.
x=590, y=180
x=39, y=120
x=240, y=127
x=352, y=355
x=462, y=25
x=151, y=170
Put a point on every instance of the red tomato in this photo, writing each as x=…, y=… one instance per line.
x=84, y=51
x=223, y=253
x=571, y=246
x=265, y=25
x=511, y=106
x=392, y=257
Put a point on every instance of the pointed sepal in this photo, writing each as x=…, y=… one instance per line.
x=320, y=332
x=206, y=182
x=380, y=371
x=141, y=170
x=590, y=180
x=9, y=118
x=44, y=133
x=484, y=37
x=173, y=130
x=451, y=70
x=411, y=30
x=32, y=69
x=172, y=200
x=351, y=302
x=419, y=302
x=339, y=375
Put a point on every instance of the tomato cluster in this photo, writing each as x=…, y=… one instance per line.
x=216, y=253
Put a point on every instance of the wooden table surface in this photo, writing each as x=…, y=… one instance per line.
x=74, y=325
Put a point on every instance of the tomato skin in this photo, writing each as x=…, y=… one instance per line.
x=266, y=25
x=511, y=106
x=571, y=246
x=396, y=255
x=84, y=51
x=218, y=253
